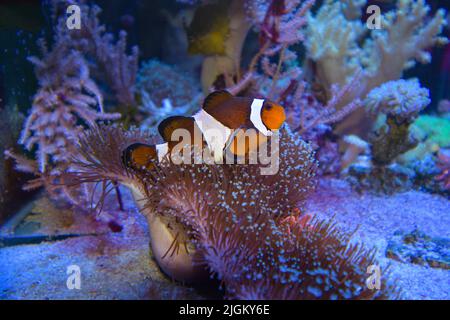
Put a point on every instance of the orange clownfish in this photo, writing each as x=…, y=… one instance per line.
x=141, y=156
x=222, y=123
x=234, y=116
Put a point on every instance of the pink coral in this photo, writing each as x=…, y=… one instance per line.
x=65, y=97
x=112, y=63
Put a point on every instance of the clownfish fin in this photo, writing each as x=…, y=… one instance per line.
x=169, y=125
x=215, y=99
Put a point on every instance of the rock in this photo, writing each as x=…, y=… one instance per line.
x=418, y=248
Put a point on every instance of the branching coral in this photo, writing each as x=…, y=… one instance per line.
x=253, y=239
x=110, y=58
x=280, y=24
x=67, y=95
x=314, y=121
x=68, y=101
x=337, y=45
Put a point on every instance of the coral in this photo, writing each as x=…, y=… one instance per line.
x=316, y=114
x=279, y=25
x=209, y=38
x=162, y=81
x=444, y=107
x=255, y=240
x=434, y=130
x=400, y=101
x=111, y=61
x=444, y=164
x=10, y=125
x=314, y=121
x=397, y=104
x=165, y=92
x=338, y=44
x=418, y=248
x=279, y=22
x=66, y=96
x=68, y=101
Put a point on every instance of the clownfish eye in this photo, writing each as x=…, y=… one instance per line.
x=268, y=107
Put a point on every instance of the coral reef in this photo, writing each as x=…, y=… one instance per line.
x=338, y=45
x=444, y=165
x=10, y=125
x=395, y=161
x=354, y=121
x=64, y=98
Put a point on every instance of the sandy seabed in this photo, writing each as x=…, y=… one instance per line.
x=119, y=266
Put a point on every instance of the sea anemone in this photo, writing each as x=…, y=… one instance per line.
x=247, y=229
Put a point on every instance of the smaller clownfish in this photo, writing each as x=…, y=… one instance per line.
x=141, y=156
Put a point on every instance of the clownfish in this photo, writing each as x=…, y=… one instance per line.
x=141, y=156
x=222, y=123
x=233, y=116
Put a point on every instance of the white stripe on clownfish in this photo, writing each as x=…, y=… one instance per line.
x=215, y=133
x=255, y=117
x=162, y=150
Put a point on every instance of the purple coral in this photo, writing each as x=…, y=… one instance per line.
x=66, y=95
x=444, y=165
x=111, y=60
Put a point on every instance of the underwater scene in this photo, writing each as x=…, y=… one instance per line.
x=224, y=150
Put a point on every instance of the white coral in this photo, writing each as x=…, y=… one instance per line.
x=402, y=99
x=339, y=46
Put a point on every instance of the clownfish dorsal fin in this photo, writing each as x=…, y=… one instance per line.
x=215, y=99
x=169, y=125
